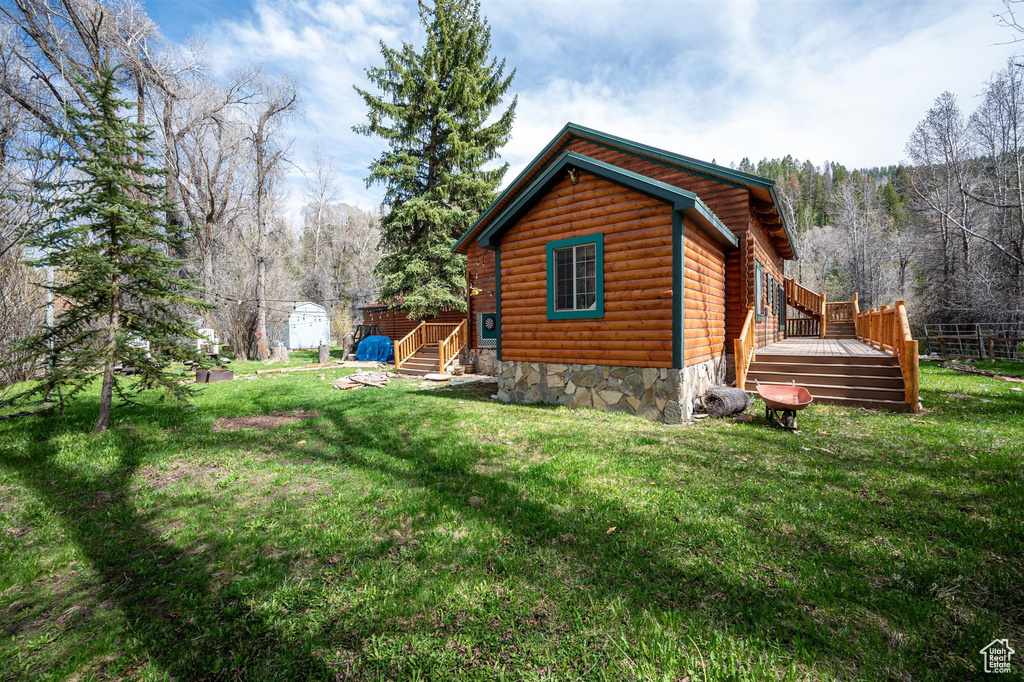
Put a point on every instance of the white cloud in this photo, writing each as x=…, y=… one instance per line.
x=715, y=80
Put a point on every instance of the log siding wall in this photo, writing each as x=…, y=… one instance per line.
x=571, y=213
x=760, y=248
x=636, y=329
x=733, y=207
x=395, y=323
x=480, y=268
x=703, y=297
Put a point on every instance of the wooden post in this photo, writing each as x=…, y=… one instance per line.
x=981, y=343
x=913, y=376
x=855, y=314
x=824, y=316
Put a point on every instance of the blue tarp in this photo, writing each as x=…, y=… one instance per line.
x=378, y=348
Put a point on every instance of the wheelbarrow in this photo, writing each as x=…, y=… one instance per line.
x=781, y=403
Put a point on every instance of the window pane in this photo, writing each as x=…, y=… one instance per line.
x=586, y=277
x=563, y=279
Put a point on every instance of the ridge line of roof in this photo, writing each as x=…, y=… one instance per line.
x=722, y=172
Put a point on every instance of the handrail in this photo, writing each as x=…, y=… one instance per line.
x=744, y=349
x=801, y=296
x=888, y=329
x=409, y=344
x=839, y=311
x=450, y=348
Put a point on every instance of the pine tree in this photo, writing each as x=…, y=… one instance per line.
x=118, y=287
x=432, y=112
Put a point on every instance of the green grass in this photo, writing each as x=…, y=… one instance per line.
x=413, y=534
x=1009, y=367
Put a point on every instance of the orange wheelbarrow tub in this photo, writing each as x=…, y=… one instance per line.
x=781, y=403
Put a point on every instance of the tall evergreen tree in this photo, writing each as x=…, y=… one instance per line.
x=433, y=112
x=118, y=287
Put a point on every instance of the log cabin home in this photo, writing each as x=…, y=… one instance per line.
x=619, y=276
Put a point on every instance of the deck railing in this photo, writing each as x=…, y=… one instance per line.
x=802, y=327
x=800, y=296
x=409, y=344
x=743, y=348
x=888, y=329
x=427, y=334
x=452, y=345
x=839, y=311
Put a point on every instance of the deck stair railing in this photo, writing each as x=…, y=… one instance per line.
x=888, y=329
x=428, y=334
x=802, y=298
x=743, y=347
x=839, y=311
x=452, y=345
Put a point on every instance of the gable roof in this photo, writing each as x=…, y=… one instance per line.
x=680, y=199
x=764, y=200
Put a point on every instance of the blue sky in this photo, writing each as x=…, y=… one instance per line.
x=837, y=81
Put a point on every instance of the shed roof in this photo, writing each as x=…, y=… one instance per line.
x=764, y=199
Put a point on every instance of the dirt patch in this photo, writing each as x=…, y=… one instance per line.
x=262, y=422
x=192, y=473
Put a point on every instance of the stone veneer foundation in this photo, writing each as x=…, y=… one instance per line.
x=485, y=359
x=666, y=395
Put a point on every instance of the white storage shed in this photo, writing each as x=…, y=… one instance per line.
x=308, y=326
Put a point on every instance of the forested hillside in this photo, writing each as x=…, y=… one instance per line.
x=943, y=230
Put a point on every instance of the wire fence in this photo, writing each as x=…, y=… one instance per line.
x=980, y=340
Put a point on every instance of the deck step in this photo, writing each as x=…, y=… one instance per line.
x=866, y=403
x=824, y=390
x=801, y=378
x=424, y=361
x=865, y=360
x=857, y=369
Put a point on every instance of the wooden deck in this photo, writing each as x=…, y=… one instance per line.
x=845, y=348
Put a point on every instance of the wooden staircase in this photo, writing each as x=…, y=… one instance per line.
x=430, y=348
x=840, y=330
x=838, y=353
x=423, y=361
x=872, y=381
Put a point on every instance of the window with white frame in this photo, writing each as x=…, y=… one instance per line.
x=576, y=278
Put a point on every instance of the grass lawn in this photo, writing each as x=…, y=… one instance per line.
x=412, y=534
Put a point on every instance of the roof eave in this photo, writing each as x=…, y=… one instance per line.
x=680, y=199
x=785, y=222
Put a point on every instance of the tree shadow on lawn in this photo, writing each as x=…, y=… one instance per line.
x=800, y=613
x=191, y=629
x=188, y=625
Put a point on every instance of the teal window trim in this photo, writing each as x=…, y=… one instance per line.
x=758, y=292
x=598, y=311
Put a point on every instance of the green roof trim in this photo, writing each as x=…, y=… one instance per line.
x=710, y=170
x=681, y=200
